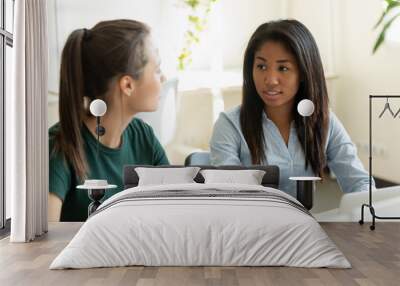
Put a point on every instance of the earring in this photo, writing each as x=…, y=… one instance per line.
x=100, y=130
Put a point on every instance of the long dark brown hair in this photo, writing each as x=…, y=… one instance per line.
x=300, y=42
x=90, y=60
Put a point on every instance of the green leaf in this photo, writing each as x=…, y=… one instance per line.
x=193, y=19
x=391, y=5
x=198, y=27
x=382, y=34
x=384, y=13
x=192, y=3
x=378, y=42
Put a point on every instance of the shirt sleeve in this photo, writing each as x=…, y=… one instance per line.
x=225, y=143
x=342, y=159
x=59, y=175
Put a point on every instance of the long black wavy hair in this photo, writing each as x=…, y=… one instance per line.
x=300, y=42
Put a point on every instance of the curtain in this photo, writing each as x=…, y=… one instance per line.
x=26, y=123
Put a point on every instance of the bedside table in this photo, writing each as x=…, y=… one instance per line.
x=96, y=190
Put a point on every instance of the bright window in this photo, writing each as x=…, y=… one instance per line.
x=6, y=43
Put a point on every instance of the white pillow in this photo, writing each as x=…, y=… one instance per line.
x=165, y=176
x=248, y=177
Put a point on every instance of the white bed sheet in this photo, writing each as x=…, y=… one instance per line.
x=200, y=231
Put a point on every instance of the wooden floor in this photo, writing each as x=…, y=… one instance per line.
x=374, y=255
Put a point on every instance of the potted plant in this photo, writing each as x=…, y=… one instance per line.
x=197, y=22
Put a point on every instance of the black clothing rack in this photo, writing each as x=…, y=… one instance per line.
x=370, y=204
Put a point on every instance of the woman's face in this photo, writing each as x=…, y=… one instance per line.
x=146, y=94
x=276, y=75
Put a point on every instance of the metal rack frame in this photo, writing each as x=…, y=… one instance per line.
x=370, y=204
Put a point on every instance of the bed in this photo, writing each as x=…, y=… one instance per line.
x=201, y=224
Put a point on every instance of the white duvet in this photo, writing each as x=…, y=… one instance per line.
x=207, y=230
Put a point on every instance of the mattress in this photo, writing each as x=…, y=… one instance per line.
x=201, y=225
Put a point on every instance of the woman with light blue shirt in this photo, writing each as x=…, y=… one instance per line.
x=282, y=66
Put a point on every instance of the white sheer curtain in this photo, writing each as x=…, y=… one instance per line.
x=26, y=123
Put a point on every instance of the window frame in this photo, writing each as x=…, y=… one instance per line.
x=6, y=39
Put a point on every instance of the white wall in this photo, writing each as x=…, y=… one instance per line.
x=231, y=25
x=361, y=74
x=317, y=15
x=68, y=15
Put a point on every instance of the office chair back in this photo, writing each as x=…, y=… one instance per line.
x=198, y=158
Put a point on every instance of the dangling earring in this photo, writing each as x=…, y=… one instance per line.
x=98, y=108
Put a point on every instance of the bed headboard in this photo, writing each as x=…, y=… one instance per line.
x=270, y=179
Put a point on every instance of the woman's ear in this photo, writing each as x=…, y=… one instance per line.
x=127, y=85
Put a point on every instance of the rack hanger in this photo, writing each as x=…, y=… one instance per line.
x=387, y=107
x=397, y=113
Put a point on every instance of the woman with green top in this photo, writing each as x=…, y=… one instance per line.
x=115, y=61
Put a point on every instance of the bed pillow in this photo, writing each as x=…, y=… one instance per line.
x=248, y=177
x=165, y=176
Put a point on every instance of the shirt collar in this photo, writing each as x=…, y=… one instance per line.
x=267, y=120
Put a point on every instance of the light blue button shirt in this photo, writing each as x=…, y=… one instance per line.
x=228, y=147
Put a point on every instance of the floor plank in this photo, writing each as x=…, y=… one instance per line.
x=374, y=255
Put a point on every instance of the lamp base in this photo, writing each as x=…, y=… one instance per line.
x=305, y=193
x=95, y=195
x=305, y=188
